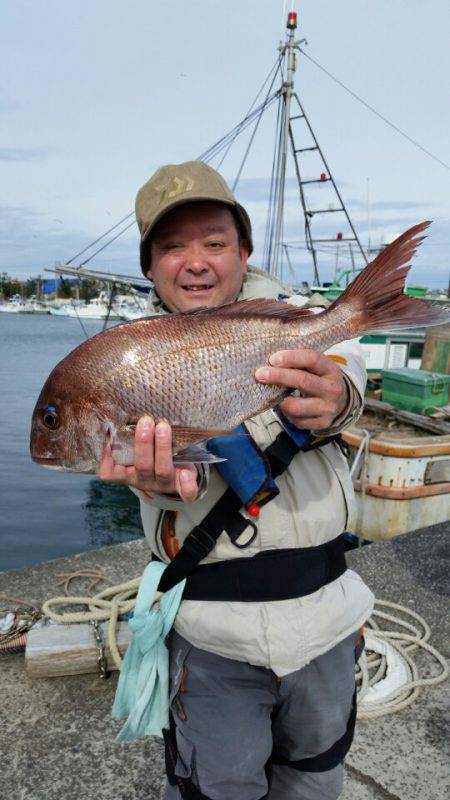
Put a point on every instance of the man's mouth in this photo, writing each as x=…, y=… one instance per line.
x=197, y=287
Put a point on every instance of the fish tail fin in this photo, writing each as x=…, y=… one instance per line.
x=376, y=299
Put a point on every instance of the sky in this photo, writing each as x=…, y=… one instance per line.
x=95, y=96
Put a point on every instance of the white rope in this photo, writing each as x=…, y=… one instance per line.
x=387, y=675
x=110, y=604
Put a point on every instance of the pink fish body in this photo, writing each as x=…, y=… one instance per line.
x=196, y=369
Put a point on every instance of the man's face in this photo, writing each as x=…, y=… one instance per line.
x=196, y=259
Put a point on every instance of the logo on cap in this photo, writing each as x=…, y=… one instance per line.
x=180, y=186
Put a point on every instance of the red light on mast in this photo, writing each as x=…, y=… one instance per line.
x=339, y=237
x=323, y=176
x=292, y=20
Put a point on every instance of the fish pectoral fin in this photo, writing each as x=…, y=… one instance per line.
x=188, y=435
x=196, y=454
x=187, y=442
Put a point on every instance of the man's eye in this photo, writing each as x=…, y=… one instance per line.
x=215, y=245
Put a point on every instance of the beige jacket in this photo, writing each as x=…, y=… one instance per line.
x=313, y=507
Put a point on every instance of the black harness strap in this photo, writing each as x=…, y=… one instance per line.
x=270, y=575
x=201, y=540
x=225, y=515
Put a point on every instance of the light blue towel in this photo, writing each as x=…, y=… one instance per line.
x=142, y=693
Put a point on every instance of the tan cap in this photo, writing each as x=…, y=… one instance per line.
x=176, y=184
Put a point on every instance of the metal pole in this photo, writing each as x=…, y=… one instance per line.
x=289, y=53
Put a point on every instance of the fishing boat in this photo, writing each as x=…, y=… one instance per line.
x=401, y=478
x=400, y=474
x=14, y=306
x=19, y=305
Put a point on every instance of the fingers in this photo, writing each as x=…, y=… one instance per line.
x=153, y=459
x=309, y=413
x=186, y=482
x=318, y=379
x=144, y=448
x=108, y=469
x=313, y=374
x=164, y=466
x=303, y=358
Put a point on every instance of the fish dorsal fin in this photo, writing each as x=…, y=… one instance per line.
x=258, y=307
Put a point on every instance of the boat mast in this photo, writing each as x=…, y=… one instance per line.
x=291, y=111
x=288, y=52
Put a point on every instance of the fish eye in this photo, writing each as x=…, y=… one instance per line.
x=50, y=418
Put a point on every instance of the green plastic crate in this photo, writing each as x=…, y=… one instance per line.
x=415, y=390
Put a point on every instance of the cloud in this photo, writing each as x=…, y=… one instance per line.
x=24, y=153
x=7, y=105
x=386, y=205
x=31, y=242
x=257, y=189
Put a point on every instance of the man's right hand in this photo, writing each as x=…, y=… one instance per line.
x=153, y=469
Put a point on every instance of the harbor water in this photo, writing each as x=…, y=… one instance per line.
x=45, y=514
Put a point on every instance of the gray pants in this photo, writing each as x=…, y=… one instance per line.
x=230, y=716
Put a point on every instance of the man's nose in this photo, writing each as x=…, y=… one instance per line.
x=195, y=259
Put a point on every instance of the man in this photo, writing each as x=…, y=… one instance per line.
x=262, y=688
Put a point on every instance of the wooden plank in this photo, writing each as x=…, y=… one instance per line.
x=417, y=420
x=69, y=649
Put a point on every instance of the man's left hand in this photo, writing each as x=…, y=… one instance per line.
x=318, y=378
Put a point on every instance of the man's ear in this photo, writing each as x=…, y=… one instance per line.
x=243, y=252
x=149, y=275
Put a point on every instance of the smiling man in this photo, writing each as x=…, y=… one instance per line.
x=197, y=259
x=262, y=655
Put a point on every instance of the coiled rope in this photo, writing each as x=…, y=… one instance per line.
x=387, y=676
x=106, y=606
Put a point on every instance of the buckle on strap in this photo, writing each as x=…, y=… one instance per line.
x=253, y=535
x=200, y=545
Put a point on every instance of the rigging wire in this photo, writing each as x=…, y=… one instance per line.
x=110, y=305
x=374, y=111
x=255, y=129
x=99, y=238
x=83, y=263
x=276, y=67
x=274, y=187
x=78, y=317
x=274, y=196
x=209, y=154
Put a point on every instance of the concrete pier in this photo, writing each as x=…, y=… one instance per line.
x=57, y=738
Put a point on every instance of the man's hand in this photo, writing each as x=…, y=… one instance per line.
x=153, y=469
x=318, y=378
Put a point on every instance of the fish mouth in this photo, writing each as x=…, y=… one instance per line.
x=58, y=465
x=47, y=461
